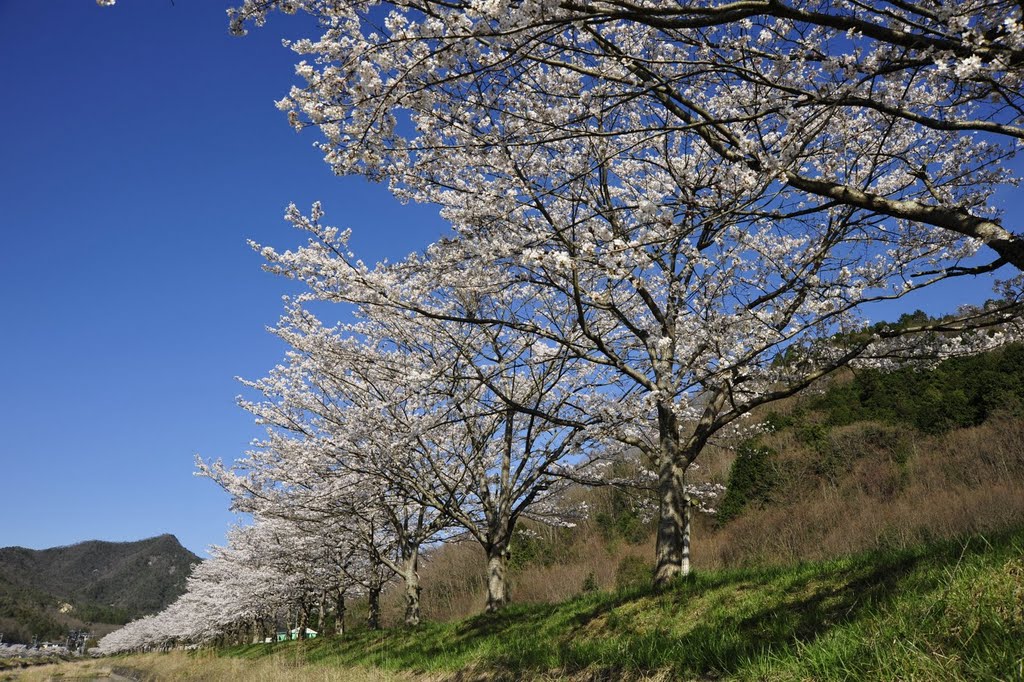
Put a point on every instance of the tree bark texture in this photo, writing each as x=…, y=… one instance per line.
x=497, y=578
x=673, y=526
x=412, y=590
x=373, y=612
x=339, y=613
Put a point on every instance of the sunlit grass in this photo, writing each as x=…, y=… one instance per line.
x=947, y=611
x=950, y=611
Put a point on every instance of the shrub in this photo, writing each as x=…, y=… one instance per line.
x=752, y=479
x=589, y=584
x=632, y=572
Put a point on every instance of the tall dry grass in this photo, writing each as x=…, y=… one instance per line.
x=454, y=584
x=893, y=489
x=203, y=666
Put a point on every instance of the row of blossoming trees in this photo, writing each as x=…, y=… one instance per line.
x=665, y=215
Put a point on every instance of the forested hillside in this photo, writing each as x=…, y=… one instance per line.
x=43, y=592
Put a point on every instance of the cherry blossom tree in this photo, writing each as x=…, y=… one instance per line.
x=339, y=514
x=904, y=110
x=703, y=199
x=692, y=321
x=265, y=570
x=698, y=191
x=446, y=424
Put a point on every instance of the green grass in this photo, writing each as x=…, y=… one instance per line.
x=951, y=611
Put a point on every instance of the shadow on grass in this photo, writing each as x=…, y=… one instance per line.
x=706, y=625
x=743, y=615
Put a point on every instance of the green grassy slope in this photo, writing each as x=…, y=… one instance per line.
x=949, y=611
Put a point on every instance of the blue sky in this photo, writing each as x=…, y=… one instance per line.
x=140, y=149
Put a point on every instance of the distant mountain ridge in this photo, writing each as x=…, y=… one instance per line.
x=46, y=591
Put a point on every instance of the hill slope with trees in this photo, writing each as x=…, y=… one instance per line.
x=44, y=592
x=871, y=460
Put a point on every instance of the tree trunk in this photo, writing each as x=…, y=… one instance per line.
x=497, y=574
x=412, y=590
x=684, y=565
x=339, y=614
x=673, y=537
x=303, y=619
x=322, y=613
x=373, y=613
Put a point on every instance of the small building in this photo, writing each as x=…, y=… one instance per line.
x=310, y=634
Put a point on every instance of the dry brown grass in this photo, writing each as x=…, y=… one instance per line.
x=454, y=586
x=203, y=667
x=174, y=666
x=967, y=481
x=591, y=559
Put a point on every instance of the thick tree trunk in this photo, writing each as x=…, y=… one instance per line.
x=373, y=613
x=339, y=614
x=497, y=578
x=412, y=590
x=674, y=525
x=673, y=539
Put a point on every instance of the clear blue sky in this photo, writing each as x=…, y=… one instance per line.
x=140, y=149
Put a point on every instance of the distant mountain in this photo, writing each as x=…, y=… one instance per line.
x=93, y=584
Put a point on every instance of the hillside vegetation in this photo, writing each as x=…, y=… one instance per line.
x=870, y=460
x=45, y=592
